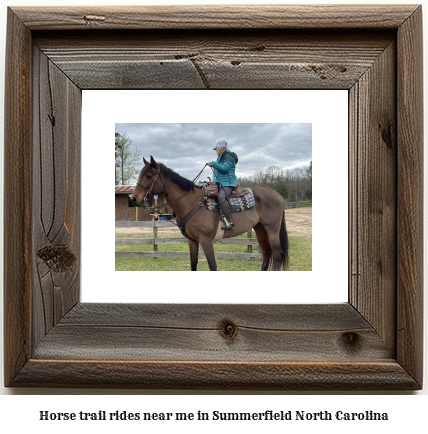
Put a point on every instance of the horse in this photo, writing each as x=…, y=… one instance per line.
x=186, y=199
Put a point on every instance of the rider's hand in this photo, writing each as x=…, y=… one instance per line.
x=209, y=163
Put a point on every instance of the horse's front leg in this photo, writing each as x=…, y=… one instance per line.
x=208, y=248
x=194, y=251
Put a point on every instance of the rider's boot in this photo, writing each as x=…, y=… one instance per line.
x=228, y=222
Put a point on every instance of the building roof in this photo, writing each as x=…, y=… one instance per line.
x=124, y=189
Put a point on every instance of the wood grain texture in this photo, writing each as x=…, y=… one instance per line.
x=342, y=317
x=55, y=194
x=181, y=341
x=385, y=375
x=207, y=60
x=373, y=163
x=17, y=198
x=216, y=17
x=184, y=344
x=372, y=342
x=410, y=196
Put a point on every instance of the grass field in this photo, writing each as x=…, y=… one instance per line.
x=300, y=256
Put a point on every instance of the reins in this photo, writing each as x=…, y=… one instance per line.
x=187, y=217
x=149, y=189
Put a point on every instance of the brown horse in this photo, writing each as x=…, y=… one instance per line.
x=266, y=217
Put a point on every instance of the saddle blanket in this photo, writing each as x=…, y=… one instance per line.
x=236, y=204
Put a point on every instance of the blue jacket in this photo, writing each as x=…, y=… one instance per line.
x=224, y=169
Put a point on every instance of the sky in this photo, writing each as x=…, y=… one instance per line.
x=186, y=147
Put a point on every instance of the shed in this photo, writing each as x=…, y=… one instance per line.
x=124, y=209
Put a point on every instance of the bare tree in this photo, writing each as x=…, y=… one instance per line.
x=125, y=159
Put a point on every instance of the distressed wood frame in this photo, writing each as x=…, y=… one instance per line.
x=372, y=342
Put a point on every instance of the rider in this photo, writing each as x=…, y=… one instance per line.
x=224, y=175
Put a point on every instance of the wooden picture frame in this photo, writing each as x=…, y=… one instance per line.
x=372, y=342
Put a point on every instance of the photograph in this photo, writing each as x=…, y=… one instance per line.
x=256, y=186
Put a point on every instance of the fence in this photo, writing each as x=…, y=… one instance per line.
x=155, y=242
x=298, y=204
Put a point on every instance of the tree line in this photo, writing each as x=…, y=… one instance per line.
x=292, y=184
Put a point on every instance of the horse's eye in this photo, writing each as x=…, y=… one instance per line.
x=149, y=176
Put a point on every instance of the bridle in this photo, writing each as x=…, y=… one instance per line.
x=186, y=218
x=151, y=185
x=149, y=189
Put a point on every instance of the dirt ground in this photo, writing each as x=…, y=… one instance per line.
x=297, y=220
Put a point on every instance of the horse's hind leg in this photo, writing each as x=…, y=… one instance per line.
x=208, y=248
x=194, y=251
x=263, y=240
x=275, y=244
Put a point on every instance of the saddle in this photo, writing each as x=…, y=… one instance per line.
x=211, y=191
x=239, y=191
x=242, y=200
x=239, y=200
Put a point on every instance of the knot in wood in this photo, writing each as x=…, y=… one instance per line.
x=351, y=340
x=227, y=329
x=386, y=134
x=58, y=259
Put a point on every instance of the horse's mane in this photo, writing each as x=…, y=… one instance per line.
x=182, y=182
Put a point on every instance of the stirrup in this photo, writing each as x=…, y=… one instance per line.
x=227, y=226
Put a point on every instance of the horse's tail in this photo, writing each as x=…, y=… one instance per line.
x=283, y=238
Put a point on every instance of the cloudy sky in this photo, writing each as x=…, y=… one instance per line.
x=186, y=147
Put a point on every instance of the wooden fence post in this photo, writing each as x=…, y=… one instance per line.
x=155, y=235
x=250, y=247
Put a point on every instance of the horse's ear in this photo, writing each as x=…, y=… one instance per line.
x=153, y=162
x=145, y=162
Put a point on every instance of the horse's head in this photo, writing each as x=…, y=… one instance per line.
x=149, y=182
